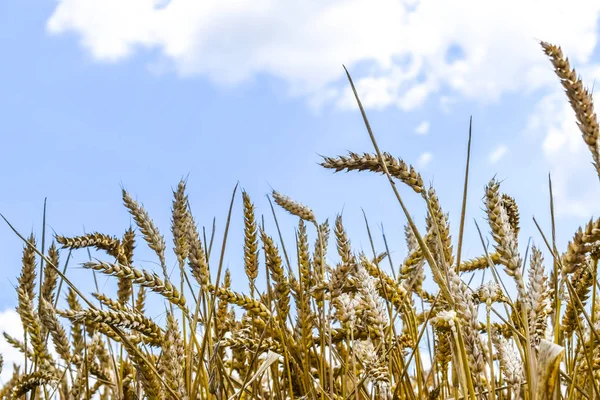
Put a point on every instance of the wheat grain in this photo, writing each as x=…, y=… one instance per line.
x=151, y=234
x=250, y=241
x=538, y=296
x=28, y=382
x=100, y=241
x=173, y=353
x=59, y=336
x=294, y=208
x=140, y=277
x=50, y=275
x=126, y=258
x=368, y=162
x=504, y=236
x=180, y=220
x=124, y=319
x=282, y=286
x=197, y=257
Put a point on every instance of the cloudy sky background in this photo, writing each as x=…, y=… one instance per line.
x=98, y=94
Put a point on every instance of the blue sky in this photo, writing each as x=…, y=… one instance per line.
x=96, y=94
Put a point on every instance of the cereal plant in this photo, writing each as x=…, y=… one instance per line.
x=322, y=325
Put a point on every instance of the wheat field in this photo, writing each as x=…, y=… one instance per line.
x=328, y=322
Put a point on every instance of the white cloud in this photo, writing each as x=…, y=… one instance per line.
x=498, y=153
x=446, y=103
x=424, y=159
x=305, y=43
x=422, y=128
x=11, y=324
x=574, y=179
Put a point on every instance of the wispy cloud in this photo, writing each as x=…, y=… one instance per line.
x=446, y=104
x=302, y=44
x=570, y=161
x=424, y=159
x=422, y=128
x=498, y=153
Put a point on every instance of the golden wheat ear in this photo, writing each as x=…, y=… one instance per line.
x=149, y=230
x=294, y=208
x=250, y=241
